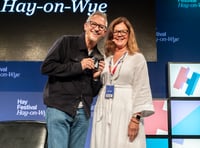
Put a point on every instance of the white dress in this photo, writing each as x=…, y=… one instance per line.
x=132, y=94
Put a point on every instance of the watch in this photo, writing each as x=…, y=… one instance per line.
x=137, y=117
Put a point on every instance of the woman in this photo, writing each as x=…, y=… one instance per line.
x=125, y=98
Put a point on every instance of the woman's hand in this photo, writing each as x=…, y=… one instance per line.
x=133, y=129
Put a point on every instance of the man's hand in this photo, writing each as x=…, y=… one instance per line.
x=99, y=70
x=87, y=63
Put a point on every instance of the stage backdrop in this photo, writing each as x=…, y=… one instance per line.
x=28, y=29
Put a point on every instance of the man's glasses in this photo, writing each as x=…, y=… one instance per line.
x=122, y=32
x=94, y=25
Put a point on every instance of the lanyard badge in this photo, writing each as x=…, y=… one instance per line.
x=109, y=91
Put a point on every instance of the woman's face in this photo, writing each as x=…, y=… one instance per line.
x=120, y=35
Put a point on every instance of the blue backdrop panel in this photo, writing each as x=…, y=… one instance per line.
x=21, y=91
x=157, y=143
x=22, y=106
x=21, y=76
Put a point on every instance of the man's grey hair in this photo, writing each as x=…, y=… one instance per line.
x=102, y=14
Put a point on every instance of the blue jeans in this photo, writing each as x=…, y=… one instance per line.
x=65, y=131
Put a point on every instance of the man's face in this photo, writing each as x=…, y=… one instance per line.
x=95, y=29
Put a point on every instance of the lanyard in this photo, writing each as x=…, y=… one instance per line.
x=113, y=70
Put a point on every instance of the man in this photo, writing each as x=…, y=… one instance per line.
x=73, y=65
